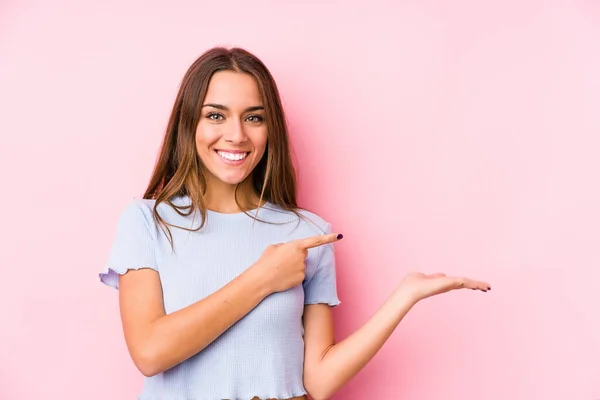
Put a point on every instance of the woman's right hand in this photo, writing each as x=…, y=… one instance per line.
x=282, y=266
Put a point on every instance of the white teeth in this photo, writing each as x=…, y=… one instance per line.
x=232, y=156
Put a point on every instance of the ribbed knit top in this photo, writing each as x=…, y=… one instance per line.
x=263, y=353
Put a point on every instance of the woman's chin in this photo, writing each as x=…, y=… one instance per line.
x=233, y=180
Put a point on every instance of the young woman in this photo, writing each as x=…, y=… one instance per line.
x=225, y=284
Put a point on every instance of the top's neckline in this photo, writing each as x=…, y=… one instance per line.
x=185, y=200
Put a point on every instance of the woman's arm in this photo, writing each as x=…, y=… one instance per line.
x=328, y=366
x=157, y=341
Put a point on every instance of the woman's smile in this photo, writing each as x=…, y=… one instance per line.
x=234, y=158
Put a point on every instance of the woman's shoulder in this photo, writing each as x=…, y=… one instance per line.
x=141, y=214
x=136, y=212
x=315, y=218
x=142, y=210
x=304, y=217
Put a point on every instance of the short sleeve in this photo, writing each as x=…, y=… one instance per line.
x=133, y=246
x=320, y=287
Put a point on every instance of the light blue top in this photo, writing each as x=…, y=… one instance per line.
x=263, y=353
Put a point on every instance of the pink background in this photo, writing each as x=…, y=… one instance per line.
x=442, y=136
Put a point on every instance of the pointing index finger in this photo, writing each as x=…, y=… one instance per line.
x=319, y=240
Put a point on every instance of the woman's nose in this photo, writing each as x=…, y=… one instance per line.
x=235, y=133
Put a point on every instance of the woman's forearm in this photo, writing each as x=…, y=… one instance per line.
x=173, y=338
x=345, y=359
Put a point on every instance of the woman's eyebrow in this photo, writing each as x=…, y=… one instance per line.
x=224, y=108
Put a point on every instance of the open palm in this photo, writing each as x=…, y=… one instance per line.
x=421, y=286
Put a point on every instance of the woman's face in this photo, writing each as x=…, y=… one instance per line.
x=231, y=136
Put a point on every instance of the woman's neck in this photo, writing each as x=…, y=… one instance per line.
x=221, y=197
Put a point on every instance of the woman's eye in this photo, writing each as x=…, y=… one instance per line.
x=214, y=116
x=255, y=118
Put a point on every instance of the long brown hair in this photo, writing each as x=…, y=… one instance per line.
x=178, y=170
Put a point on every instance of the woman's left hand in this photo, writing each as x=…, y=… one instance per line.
x=419, y=286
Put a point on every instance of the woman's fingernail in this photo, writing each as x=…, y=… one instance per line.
x=340, y=236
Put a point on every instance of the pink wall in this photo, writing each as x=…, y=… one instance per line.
x=443, y=136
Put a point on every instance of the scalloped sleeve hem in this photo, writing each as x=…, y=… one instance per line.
x=110, y=277
x=134, y=245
